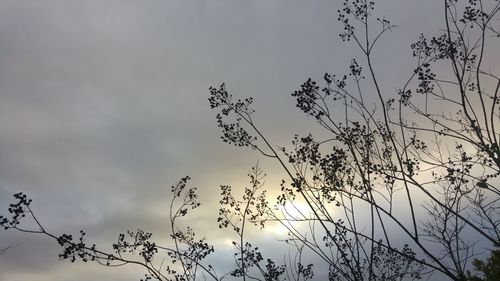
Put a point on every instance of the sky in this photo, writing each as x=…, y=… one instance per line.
x=103, y=106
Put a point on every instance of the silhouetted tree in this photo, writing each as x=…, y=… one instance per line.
x=182, y=260
x=404, y=185
x=430, y=148
x=488, y=270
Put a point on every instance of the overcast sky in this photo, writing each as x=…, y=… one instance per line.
x=103, y=106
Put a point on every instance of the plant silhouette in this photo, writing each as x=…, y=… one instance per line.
x=400, y=185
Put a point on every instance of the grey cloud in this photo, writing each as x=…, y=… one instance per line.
x=103, y=104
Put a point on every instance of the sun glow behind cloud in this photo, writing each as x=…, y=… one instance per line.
x=103, y=105
x=292, y=218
